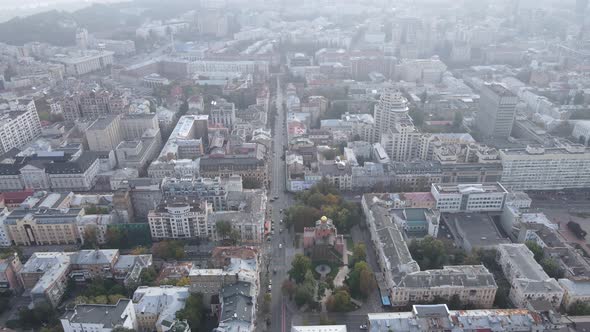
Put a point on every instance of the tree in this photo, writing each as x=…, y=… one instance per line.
x=300, y=265
x=303, y=295
x=417, y=116
x=183, y=282
x=267, y=303
x=579, y=308
x=168, y=250
x=361, y=280
x=430, y=253
x=223, y=228
x=148, y=275
x=251, y=183
x=551, y=267
x=192, y=311
x=340, y=301
x=536, y=249
x=114, y=237
x=91, y=237
x=359, y=253
x=139, y=250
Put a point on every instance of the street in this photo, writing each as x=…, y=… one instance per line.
x=279, y=258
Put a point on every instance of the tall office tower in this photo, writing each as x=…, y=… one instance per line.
x=82, y=38
x=497, y=107
x=391, y=109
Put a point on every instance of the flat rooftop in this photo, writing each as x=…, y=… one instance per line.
x=107, y=315
x=476, y=188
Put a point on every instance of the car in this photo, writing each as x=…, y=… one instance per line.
x=276, y=197
x=269, y=288
x=274, y=271
x=280, y=230
x=363, y=327
x=280, y=246
x=281, y=221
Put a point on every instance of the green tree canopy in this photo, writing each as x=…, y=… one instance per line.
x=300, y=265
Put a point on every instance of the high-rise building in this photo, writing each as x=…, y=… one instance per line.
x=19, y=127
x=82, y=38
x=391, y=109
x=179, y=218
x=497, y=108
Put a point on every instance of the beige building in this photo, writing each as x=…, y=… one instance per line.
x=528, y=280
x=104, y=134
x=44, y=226
x=575, y=290
x=473, y=284
x=180, y=218
x=133, y=126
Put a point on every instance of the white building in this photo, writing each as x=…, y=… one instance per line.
x=319, y=328
x=179, y=218
x=403, y=142
x=527, y=278
x=88, y=62
x=391, y=109
x=99, y=317
x=78, y=175
x=95, y=222
x=539, y=168
x=205, y=67
x=469, y=197
x=224, y=113
x=19, y=127
x=582, y=131
x=5, y=240
x=421, y=70
x=575, y=291
x=156, y=307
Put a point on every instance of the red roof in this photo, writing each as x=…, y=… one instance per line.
x=16, y=197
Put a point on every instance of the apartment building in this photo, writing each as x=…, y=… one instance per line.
x=213, y=190
x=437, y=317
x=92, y=103
x=180, y=217
x=156, y=307
x=473, y=284
x=223, y=113
x=43, y=226
x=10, y=266
x=540, y=168
x=19, y=127
x=528, y=280
x=205, y=67
x=469, y=197
x=45, y=276
x=575, y=290
x=105, y=133
x=391, y=109
x=403, y=142
x=100, y=317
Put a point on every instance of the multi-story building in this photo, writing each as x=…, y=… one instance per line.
x=437, y=317
x=497, y=109
x=246, y=213
x=213, y=190
x=401, y=275
x=179, y=218
x=391, y=109
x=205, y=67
x=250, y=168
x=100, y=317
x=540, y=168
x=471, y=173
x=83, y=64
x=92, y=104
x=223, y=113
x=45, y=276
x=43, y=226
x=134, y=125
x=10, y=266
x=403, y=142
x=76, y=175
x=528, y=280
x=105, y=133
x=118, y=47
x=4, y=235
x=575, y=290
x=489, y=197
x=93, y=263
x=582, y=131
x=156, y=307
x=415, y=175
x=472, y=284
x=19, y=127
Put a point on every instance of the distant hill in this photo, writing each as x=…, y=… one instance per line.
x=58, y=27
